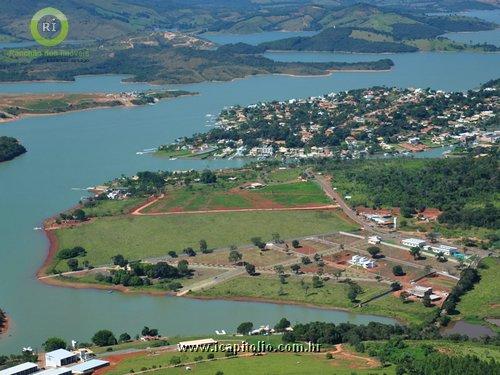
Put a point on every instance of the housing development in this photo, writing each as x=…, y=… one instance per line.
x=351, y=124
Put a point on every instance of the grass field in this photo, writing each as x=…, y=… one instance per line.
x=202, y=197
x=112, y=207
x=272, y=364
x=332, y=295
x=139, y=237
x=484, y=300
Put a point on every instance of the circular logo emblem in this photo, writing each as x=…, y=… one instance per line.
x=52, y=23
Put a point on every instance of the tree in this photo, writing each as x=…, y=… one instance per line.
x=72, y=264
x=305, y=260
x=146, y=331
x=54, y=343
x=397, y=270
x=235, y=256
x=250, y=268
x=415, y=251
x=295, y=268
x=283, y=324
x=276, y=237
x=374, y=251
x=119, y=260
x=173, y=254
x=395, y=286
x=279, y=269
x=440, y=257
x=257, y=241
x=175, y=360
x=183, y=267
x=203, y=246
x=208, y=177
x=316, y=282
x=189, y=252
x=426, y=300
x=352, y=294
x=104, y=337
x=79, y=214
x=124, y=337
x=432, y=237
x=337, y=274
x=295, y=244
x=403, y=296
x=245, y=328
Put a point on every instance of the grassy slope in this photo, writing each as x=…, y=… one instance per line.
x=332, y=295
x=484, y=300
x=147, y=236
x=286, y=363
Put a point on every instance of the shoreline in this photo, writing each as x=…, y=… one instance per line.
x=23, y=116
x=52, y=281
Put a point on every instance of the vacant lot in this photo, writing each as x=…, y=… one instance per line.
x=202, y=198
x=484, y=300
x=251, y=255
x=140, y=237
x=270, y=363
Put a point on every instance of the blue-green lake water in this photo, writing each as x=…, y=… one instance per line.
x=81, y=149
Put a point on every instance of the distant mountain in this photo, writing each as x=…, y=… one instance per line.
x=105, y=20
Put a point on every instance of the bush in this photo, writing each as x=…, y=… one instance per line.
x=398, y=270
x=104, y=337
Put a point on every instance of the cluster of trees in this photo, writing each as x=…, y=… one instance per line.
x=70, y=255
x=468, y=278
x=10, y=148
x=16, y=359
x=78, y=215
x=447, y=184
x=138, y=273
x=425, y=359
x=329, y=333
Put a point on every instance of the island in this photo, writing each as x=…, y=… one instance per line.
x=10, y=148
x=4, y=322
x=14, y=107
x=350, y=125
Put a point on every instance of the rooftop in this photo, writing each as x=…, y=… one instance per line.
x=60, y=354
x=15, y=369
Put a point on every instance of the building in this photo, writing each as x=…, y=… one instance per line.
x=183, y=345
x=413, y=242
x=422, y=291
x=60, y=357
x=374, y=240
x=358, y=260
x=56, y=371
x=89, y=366
x=22, y=369
x=445, y=249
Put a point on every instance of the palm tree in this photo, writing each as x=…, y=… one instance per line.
x=415, y=251
x=440, y=257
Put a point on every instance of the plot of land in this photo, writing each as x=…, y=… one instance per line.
x=250, y=255
x=270, y=363
x=140, y=237
x=295, y=194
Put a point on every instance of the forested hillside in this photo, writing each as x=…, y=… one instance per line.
x=466, y=189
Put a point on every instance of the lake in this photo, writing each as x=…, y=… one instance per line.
x=81, y=149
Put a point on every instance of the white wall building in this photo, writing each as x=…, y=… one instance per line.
x=22, y=369
x=60, y=357
x=413, y=242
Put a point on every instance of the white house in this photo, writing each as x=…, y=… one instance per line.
x=358, y=260
x=413, y=242
x=445, y=249
x=22, y=369
x=374, y=240
x=60, y=357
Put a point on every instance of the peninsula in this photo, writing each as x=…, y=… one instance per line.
x=14, y=107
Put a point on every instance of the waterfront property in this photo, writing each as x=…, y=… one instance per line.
x=60, y=357
x=26, y=368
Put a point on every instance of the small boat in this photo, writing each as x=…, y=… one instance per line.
x=37, y=228
x=110, y=291
x=172, y=159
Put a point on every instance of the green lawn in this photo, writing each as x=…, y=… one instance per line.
x=270, y=364
x=139, y=237
x=113, y=207
x=332, y=295
x=484, y=300
x=295, y=194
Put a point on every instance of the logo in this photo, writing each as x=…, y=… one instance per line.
x=49, y=27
